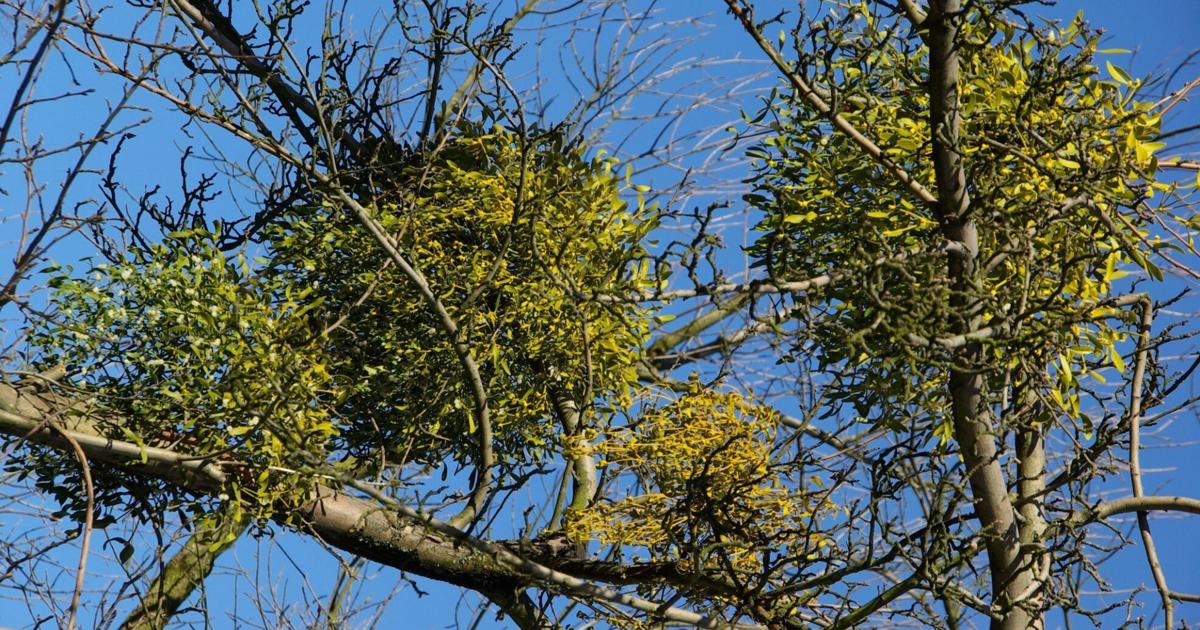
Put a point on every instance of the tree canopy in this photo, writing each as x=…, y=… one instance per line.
x=877, y=352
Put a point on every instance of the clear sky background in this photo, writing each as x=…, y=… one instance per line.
x=1159, y=32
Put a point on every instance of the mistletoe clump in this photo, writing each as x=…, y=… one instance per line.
x=705, y=489
x=1061, y=163
x=318, y=354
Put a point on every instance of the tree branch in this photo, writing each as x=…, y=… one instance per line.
x=744, y=14
x=384, y=530
x=974, y=428
x=1135, y=466
x=188, y=568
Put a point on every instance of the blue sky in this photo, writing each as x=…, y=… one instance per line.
x=1159, y=33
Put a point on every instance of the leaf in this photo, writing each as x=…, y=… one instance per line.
x=1065, y=369
x=137, y=439
x=1118, y=74
x=898, y=231
x=1153, y=270
x=1118, y=362
x=126, y=553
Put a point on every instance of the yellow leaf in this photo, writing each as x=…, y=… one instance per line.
x=1117, y=361
x=1118, y=74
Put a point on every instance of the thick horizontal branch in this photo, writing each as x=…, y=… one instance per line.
x=393, y=534
x=659, y=352
x=751, y=289
x=1187, y=165
x=988, y=332
x=1132, y=505
x=193, y=472
x=723, y=343
x=1129, y=505
x=957, y=341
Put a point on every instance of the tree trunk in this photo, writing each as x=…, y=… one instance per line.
x=974, y=425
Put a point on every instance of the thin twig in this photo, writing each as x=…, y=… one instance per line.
x=1135, y=467
x=744, y=14
x=73, y=611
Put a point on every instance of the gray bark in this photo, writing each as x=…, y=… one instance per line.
x=974, y=426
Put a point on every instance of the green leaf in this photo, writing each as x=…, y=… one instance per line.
x=1118, y=74
x=1153, y=270
x=126, y=553
x=137, y=439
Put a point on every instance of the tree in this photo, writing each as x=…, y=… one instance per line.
x=458, y=336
